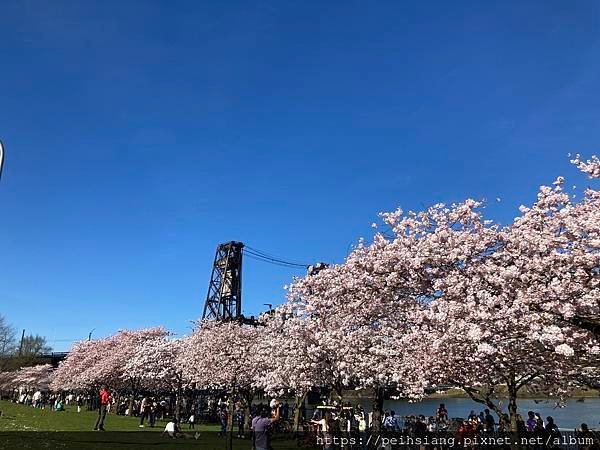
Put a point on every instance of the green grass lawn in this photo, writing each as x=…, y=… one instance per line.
x=29, y=428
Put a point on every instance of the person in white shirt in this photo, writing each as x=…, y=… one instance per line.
x=37, y=399
x=171, y=429
x=391, y=422
x=325, y=425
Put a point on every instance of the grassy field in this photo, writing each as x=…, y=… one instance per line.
x=29, y=428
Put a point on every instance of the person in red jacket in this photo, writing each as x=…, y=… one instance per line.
x=104, y=400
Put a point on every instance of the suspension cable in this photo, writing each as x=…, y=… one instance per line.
x=260, y=255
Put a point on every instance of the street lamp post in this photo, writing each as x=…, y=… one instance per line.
x=90, y=335
x=1, y=158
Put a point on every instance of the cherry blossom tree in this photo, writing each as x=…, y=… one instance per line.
x=450, y=297
x=289, y=358
x=34, y=377
x=155, y=365
x=6, y=380
x=76, y=371
x=104, y=362
x=353, y=316
x=489, y=321
x=561, y=235
x=222, y=355
x=28, y=378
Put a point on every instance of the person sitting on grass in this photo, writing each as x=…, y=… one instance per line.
x=59, y=405
x=172, y=429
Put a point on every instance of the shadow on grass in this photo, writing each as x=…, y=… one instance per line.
x=107, y=439
x=115, y=440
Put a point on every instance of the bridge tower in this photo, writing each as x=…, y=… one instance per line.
x=224, y=298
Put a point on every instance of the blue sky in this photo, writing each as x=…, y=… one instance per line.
x=139, y=135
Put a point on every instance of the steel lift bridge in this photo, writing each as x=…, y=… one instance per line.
x=224, y=297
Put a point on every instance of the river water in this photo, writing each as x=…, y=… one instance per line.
x=569, y=417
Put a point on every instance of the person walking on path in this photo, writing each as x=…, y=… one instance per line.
x=104, y=401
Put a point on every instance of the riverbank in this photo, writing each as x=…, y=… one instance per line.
x=501, y=394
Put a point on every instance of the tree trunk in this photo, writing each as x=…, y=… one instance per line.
x=486, y=399
x=378, y=396
x=298, y=402
x=248, y=397
x=343, y=417
x=117, y=402
x=512, y=407
x=178, y=396
x=131, y=405
x=91, y=405
x=339, y=392
x=230, y=409
x=512, y=412
x=177, y=405
x=133, y=392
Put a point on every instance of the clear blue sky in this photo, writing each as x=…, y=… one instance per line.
x=141, y=134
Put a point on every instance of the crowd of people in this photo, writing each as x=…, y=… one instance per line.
x=327, y=421
x=47, y=400
x=330, y=422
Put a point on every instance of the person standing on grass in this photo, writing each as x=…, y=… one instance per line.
x=240, y=416
x=104, y=401
x=531, y=422
x=261, y=428
x=144, y=410
x=37, y=399
x=223, y=417
x=441, y=415
x=489, y=421
x=153, y=406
